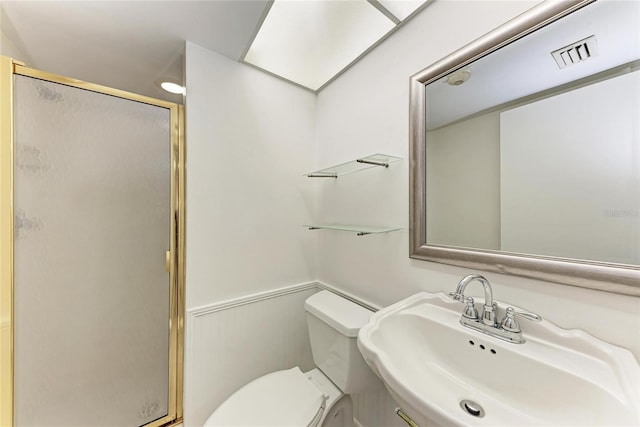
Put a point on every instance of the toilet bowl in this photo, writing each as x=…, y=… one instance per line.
x=319, y=397
x=285, y=398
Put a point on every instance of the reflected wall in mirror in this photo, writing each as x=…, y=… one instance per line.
x=525, y=149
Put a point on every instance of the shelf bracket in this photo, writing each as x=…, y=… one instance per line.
x=359, y=230
x=371, y=162
x=322, y=175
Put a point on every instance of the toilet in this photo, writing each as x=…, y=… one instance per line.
x=319, y=397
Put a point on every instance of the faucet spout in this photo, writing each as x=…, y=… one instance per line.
x=488, y=314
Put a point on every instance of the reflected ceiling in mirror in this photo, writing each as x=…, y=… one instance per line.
x=527, y=149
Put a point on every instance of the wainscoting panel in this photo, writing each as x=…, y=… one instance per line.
x=233, y=342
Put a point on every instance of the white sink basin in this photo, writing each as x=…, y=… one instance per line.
x=430, y=363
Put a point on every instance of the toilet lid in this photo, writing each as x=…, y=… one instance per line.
x=282, y=398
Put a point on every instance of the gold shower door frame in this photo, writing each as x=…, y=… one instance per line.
x=9, y=68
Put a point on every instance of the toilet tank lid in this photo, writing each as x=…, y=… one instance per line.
x=343, y=315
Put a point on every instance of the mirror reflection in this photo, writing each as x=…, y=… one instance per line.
x=535, y=148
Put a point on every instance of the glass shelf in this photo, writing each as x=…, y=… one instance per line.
x=372, y=161
x=359, y=229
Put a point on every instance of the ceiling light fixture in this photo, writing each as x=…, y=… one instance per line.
x=171, y=85
x=458, y=77
x=173, y=88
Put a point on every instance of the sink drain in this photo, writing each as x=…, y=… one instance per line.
x=472, y=408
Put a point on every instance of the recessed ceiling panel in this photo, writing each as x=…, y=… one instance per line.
x=309, y=42
x=402, y=8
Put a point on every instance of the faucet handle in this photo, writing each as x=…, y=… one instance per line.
x=470, y=311
x=510, y=323
x=457, y=296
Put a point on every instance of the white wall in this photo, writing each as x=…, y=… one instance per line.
x=365, y=111
x=570, y=182
x=8, y=48
x=10, y=43
x=463, y=169
x=250, y=139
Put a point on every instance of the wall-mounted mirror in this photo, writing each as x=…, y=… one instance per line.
x=525, y=149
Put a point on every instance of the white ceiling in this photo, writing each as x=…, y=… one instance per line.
x=126, y=44
x=130, y=44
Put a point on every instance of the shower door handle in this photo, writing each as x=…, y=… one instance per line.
x=167, y=261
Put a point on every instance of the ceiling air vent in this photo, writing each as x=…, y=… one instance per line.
x=576, y=52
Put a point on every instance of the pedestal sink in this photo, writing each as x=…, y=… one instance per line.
x=441, y=373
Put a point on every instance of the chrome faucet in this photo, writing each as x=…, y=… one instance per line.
x=507, y=330
x=488, y=312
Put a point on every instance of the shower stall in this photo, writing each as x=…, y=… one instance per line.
x=92, y=253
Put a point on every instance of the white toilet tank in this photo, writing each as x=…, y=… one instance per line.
x=333, y=324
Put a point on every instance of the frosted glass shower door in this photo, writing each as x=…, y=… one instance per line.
x=92, y=205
